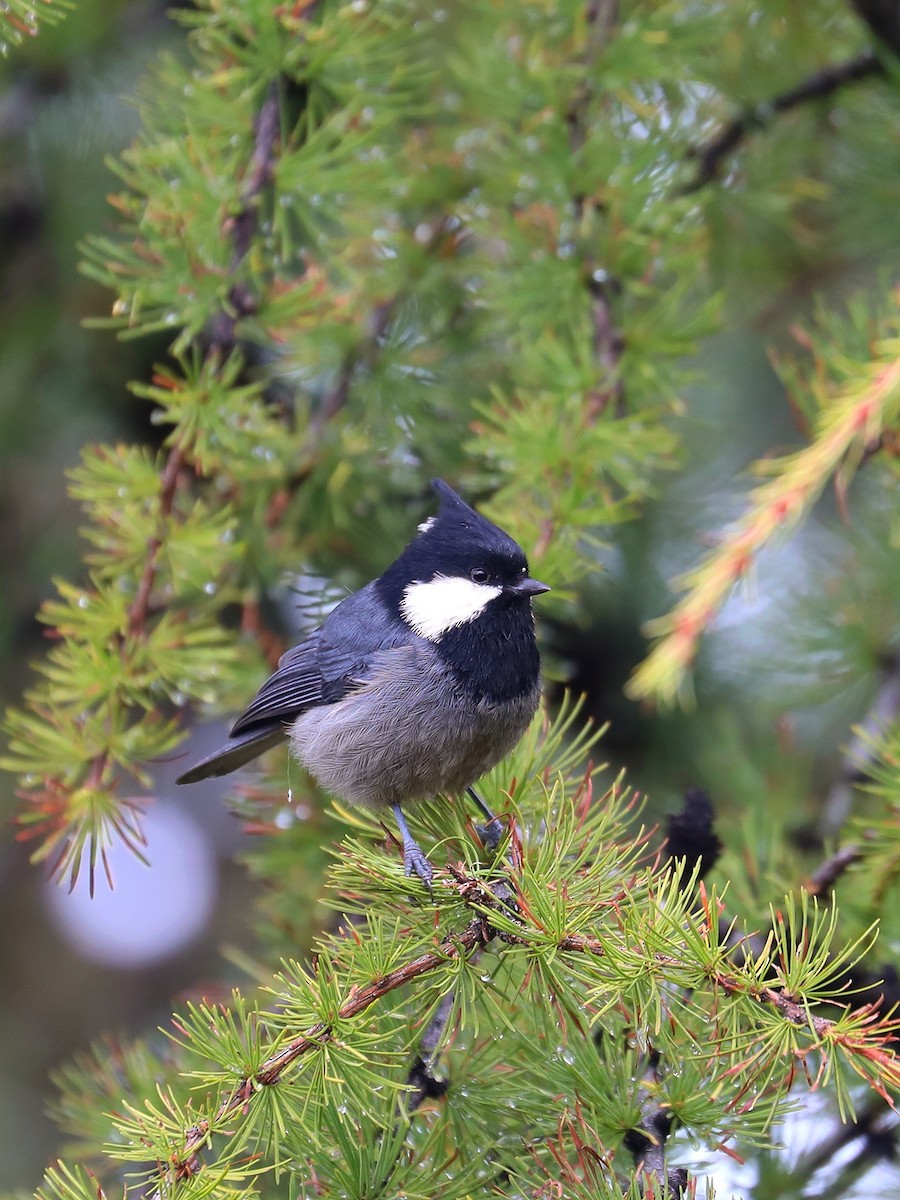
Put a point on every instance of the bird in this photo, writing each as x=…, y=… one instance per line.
x=415, y=685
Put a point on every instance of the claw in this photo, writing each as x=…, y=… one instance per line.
x=415, y=863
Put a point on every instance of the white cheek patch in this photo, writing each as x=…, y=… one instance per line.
x=443, y=603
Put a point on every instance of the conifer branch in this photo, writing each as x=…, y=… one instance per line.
x=139, y=611
x=862, y=1034
x=475, y=935
x=819, y=86
x=21, y=19
x=79, y=816
x=846, y=428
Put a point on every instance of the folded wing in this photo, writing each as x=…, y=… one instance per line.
x=330, y=663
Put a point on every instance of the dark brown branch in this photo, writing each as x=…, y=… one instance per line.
x=602, y=17
x=842, y=1136
x=647, y=1143
x=243, y=225
x=826, y=876
x=139, y=611
x=361, y=355
x=710, y=155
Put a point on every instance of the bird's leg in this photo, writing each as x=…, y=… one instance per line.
x=490, y=833
x=414, y=860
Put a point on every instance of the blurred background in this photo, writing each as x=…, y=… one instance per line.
x=768, y=735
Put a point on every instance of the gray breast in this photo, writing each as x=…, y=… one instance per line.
x=408, y=732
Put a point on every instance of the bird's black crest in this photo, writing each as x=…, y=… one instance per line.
x=458, y=524
x=457, y=538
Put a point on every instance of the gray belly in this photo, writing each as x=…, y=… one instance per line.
x=409, y=732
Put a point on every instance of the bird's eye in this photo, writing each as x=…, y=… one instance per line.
x=479, y=575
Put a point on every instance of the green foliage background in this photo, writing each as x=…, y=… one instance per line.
x=355, y=245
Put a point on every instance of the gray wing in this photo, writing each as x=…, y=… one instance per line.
x=298, y=684
x=329, y=664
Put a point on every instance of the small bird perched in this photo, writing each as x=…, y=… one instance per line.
x=415, y=685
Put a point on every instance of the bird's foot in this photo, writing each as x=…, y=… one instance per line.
x=415, y=862
x=491, y=833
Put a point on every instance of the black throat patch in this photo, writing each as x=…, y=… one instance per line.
x=494, y=657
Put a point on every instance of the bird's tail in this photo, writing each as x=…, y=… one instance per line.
x=236, y=751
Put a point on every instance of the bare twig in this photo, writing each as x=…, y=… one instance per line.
x=826, y=876
x=710, y=155
x=139, y=611
x=361, y=355
x=647, y=1143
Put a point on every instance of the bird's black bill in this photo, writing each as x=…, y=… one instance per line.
x=530, y=587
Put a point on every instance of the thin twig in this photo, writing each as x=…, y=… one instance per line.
x=139, y=611
x=361, y=355
x=710, y=155
x=243, y=225
x=829, y=872
x=602, y=17
x=222, y=340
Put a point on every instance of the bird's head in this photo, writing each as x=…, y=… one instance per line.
x=458, y=567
